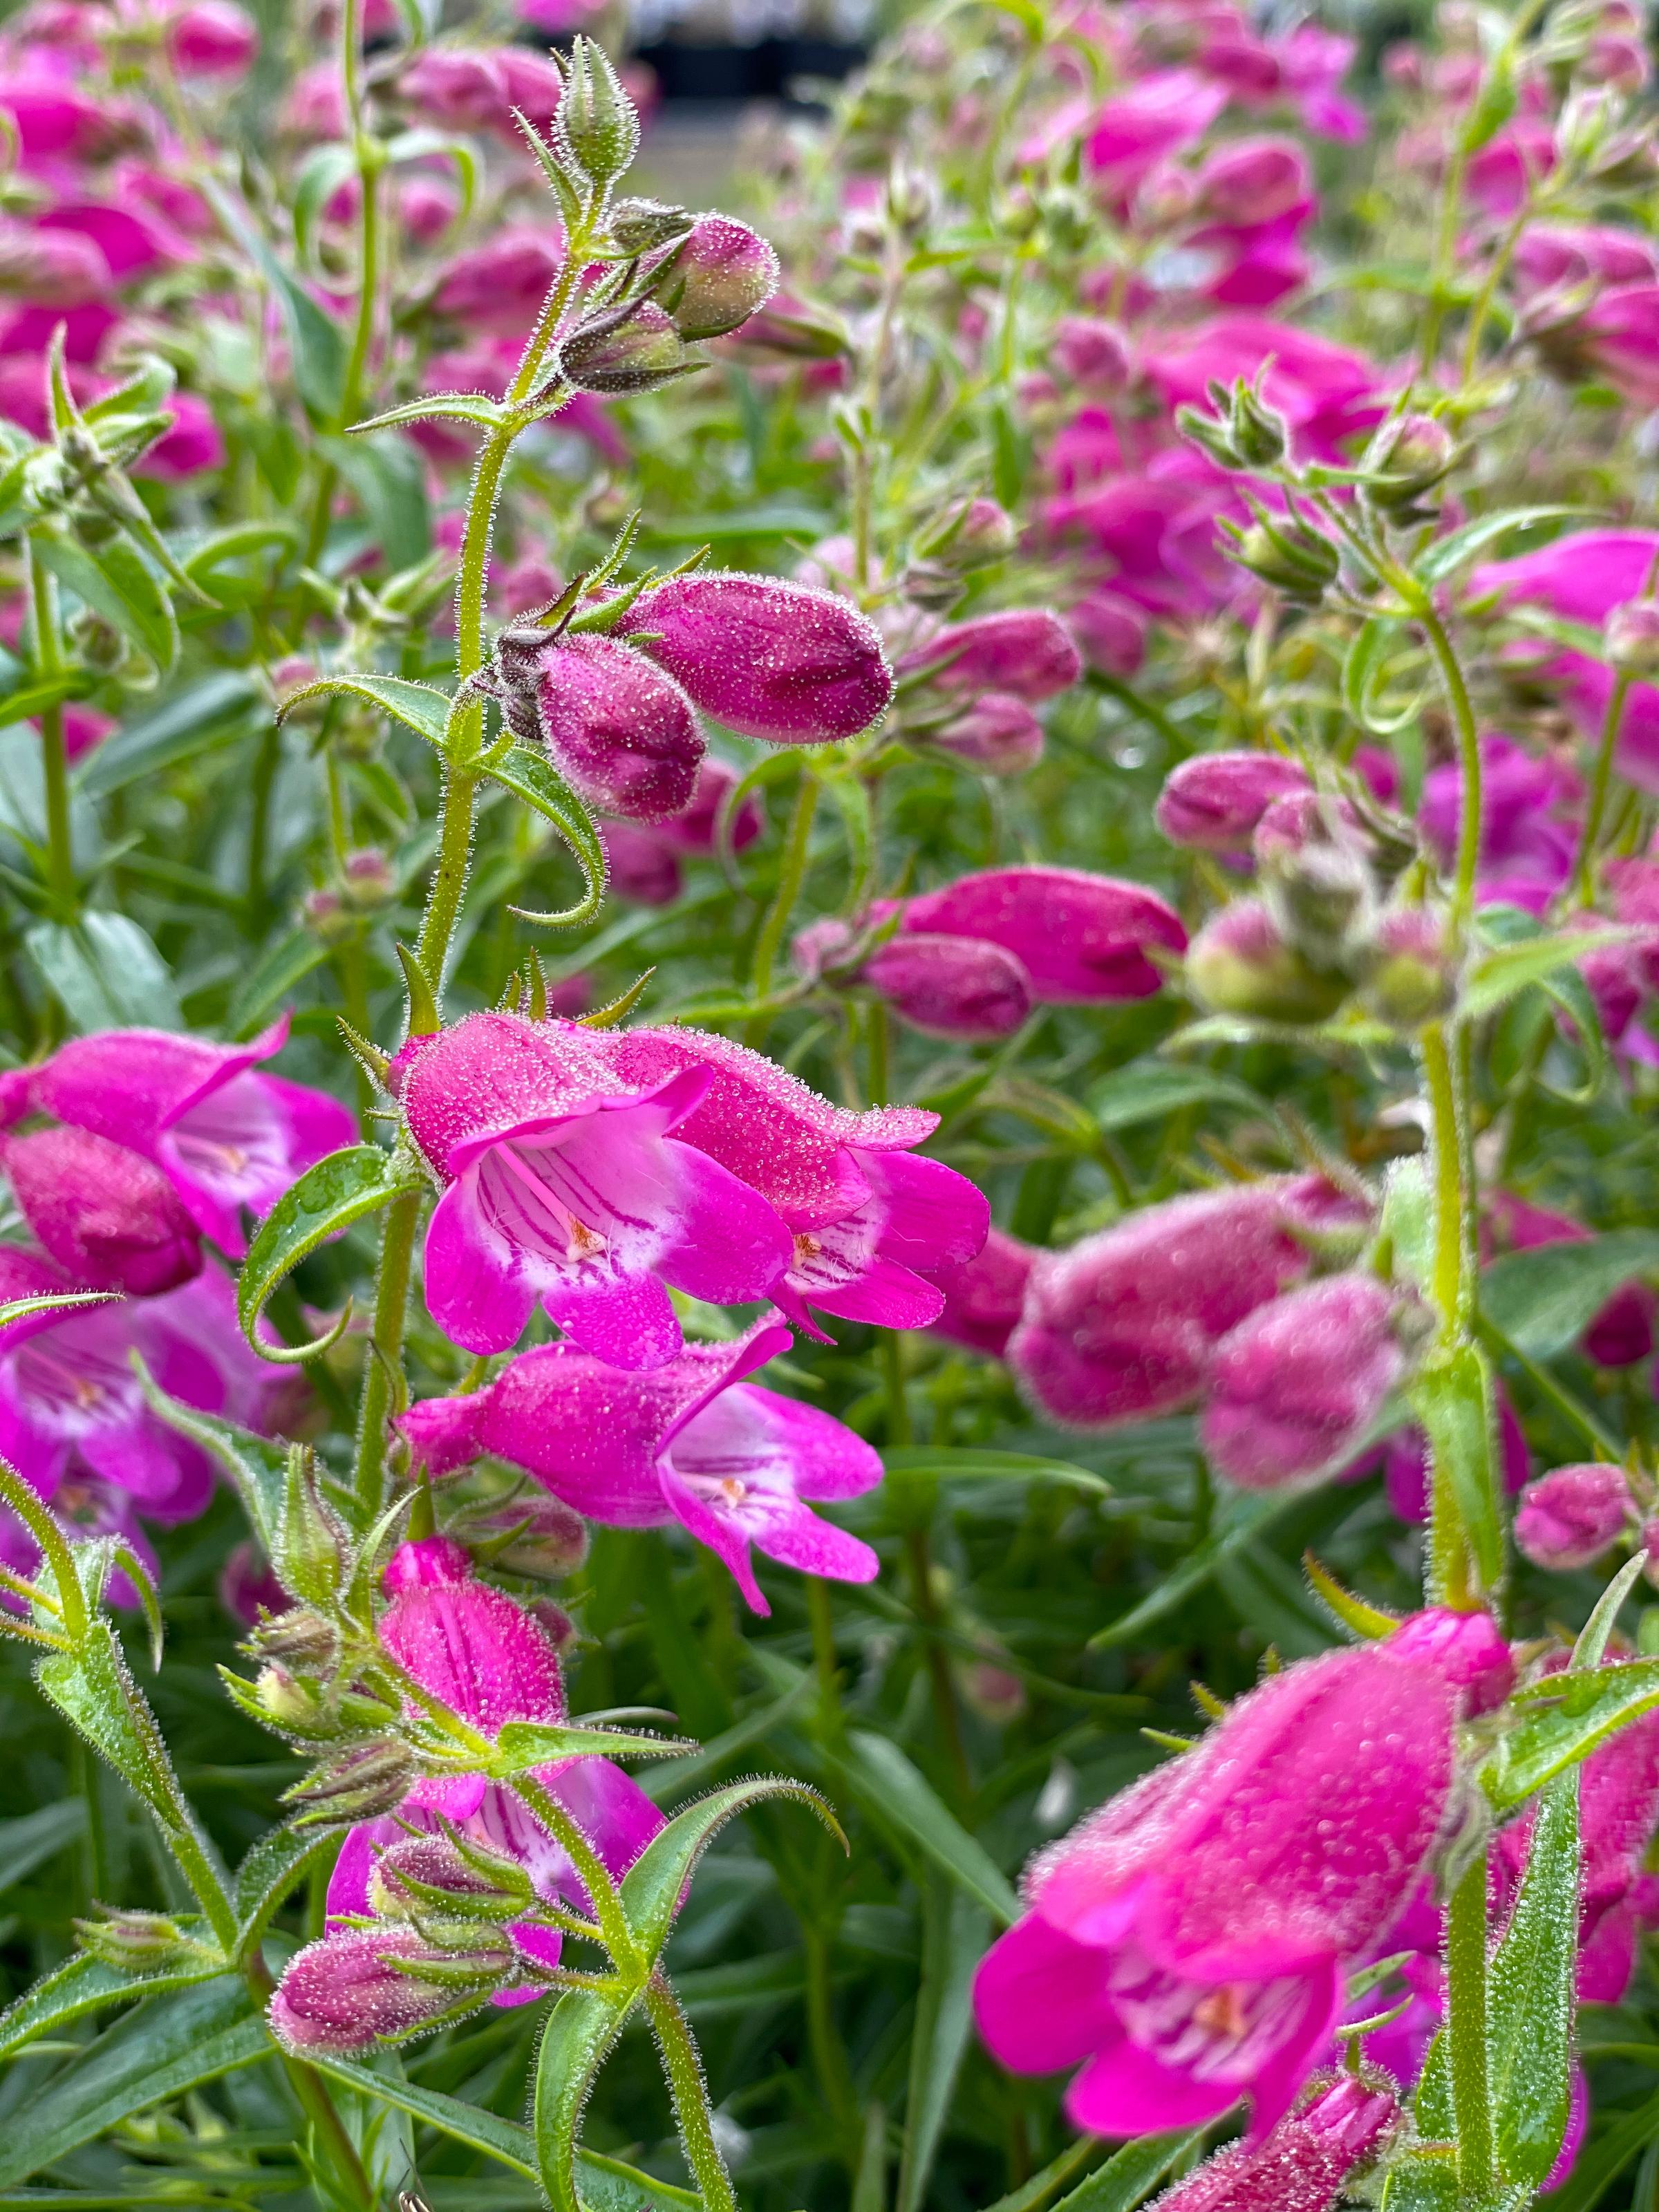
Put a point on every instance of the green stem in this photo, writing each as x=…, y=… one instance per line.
x=1466, y=2031
x=315, y=2102
x=684, y=2068
x=1584, y=872
x=1469, y=759
x=590, y=1871
x=791, y=873
x=385, y=1356
x=1452, y=1275
x=54, y=762
x=831, y=1720
x=829, y=2061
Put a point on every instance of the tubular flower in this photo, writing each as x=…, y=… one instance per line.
x=569, y=1182
x=984, y=1297
x=1189, y=1943
x=1081, y=938
x=624, y=734
x=1304, y=2163
x=870, y=1222
x=693, y=1442
x=471, y=1647
x=108, y=1216
x=1025, y=653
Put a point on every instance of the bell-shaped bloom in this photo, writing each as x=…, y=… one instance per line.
x=1292, y=1390
x=1092, y=353
x=212, y=38
x=999, y=735
x=870, y=1222
x=624, y=734
x=984, y=1297
x=716, y=277
x=1189, y=1944
x=71, y=1407
x=485, y=1658
x=1080, y=938
x=1304, y=2164
x=570, y=1183
x=693, y=1442
x=109, y=1218
x=1569, y=1516
x=1149, y=119
x=1121, y=1327
x=1026, y=652
x=770, y=660
x=1111, y=632
x=1248, y=181
x=1562, y=256
x=1212, y=803
x=50, y=268
x=961, y=987
x=226, y=1135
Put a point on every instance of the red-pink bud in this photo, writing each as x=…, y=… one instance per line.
x=109, y=1217
x=212, y=38
x=1080, y=938
x=984, y=1297
x=642, y=868
x=624, y=734
x=1304, y=2164
x=768, y=658
x=1465, y=1648
x=1111, y=634
x=359, y=1987
x=1026, y=650
x=692, y=830
x=1240, y=964
x=999, y=735
x=950, y=987
x=1212, y=804
x=716, y=277
x=1294, y=1389
x=1568, y=1517
x=1092, y=354
x=1301, y=818
x=1410, y=968
x=1253, y=180
x=1621, y=1334
x=50, y=267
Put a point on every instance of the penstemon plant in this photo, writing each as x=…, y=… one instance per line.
x=1108, y=950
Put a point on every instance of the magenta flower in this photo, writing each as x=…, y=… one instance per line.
x=770, y=660
x=1569, y=1516
x=227, y=1137
x=1121, y=1327
x=1090, y=353
x=1132, y=132
x=869, y=1222
x=212, y=38
x=474, y=1649
x=1213, y=803
x=1189, y=1943
x=109, y=1218
x=1528, y=832
x=999, y=735
x=1111, y=633
x=1619, y=1333
x=624, y=734
x=1080, y=938
x=1026, y=652
x=984, y=1297
x=694, y=1442
x=639, y=868
x=961, y=987
x=570, y=1183
x=1246, y=182
x=1304, y=2163
x=1292, y=1390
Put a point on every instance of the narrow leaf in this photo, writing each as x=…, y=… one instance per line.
x=535, y=781
x=895, y=1793
x=1452, y=1397
x=1531, y=1999
x=328, y=1198
x=419, y=707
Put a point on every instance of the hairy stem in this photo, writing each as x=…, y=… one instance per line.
x=54, y=762
x=602, y=1894
x=684, y=2067
x=385, y=1361
x=316, y=2103
x=1466, y=2031
x=1469, y=759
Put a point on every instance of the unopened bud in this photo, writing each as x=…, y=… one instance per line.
x=1410, y=969
x=1090, y=354
x=1631, y=639
x=597, y=127
x=310, y=1546
x=426, y=1876
x=961, y=987
x=969, y=534
x=50, y=268
x=538, y=1537
x=716, y=277
x=1320, y=895
x=361, y=1783
x=133, y=1942
x=624, y=350
x=641, y=225
x=1240, y=964
x=1407, y=461
x=1212, y=803
x=555, y=1623
x=361, y=1987
x=1569, y=1516
x=294, y=1705
x=999, y=735
x=367, y=880
x=1289, y=555
x=299, y=1639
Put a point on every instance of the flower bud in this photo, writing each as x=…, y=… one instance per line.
x=715, y=277
x=959, y=987
x=999, y=735
x=1407, y=458
x=1240, y=964
x=985, y=1296
x=247, y=1589
x=970, y=534
x=1295, y=559
x=1248, y=181
x=1301, y=818
x=50, y=267
x=367, y=880
x=641, y=225
x=1306, y=2162
x=299, y=1639
x=297, y=1706
x=639, y=866
x=425, y=1876
x=133, y=1942
x=1026, y=651
x=1621, y=1333
x=1631, y=638
x=536, y=1536
x=1320, y=895
x=361, y=1783
x=622, y=733
x=107, y=1215
x=212, y=38
x=1568, y=1517
x=1090, y=354
x=631, y=348
x=1410, y=968
x=597, y=128
x=363, y=1986
x=310, y=1545
x=1294, y=1389
x=1259, y=435
x=1212, y=803
x=555, y=1623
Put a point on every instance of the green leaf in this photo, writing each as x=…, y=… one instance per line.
x=1603, y=2160
x=105, y=972
x=117, y=583
x=27, y=1842
x=534, y=779
x=1543, y=1300
x=1499, y=974
x=322, y=173
x=653, y=1886
x=1409, y=1220
x=92, y=1687
x=276, y=1863
x=1128, y=2176
x=1376, y=644
x=185, y=724
x=959, y=1462
x=1587, y=1708
x=524, y=1744
x=1449, y=553
x=580, y=2030
x=419, y=707
x=1241, y=1518
x=53, y=1302
x=445, y=406
x=318, y=343
x=166, y=2045
x=327, y=1199
x=389, y=478
x=1452, y=1397
x=897, y=1795
x=236, y=543
x=1531, y=1995
x=1152, y=1089
x=288, y=961
x=84, y=1985
x=32, y=699
x=955, y=1932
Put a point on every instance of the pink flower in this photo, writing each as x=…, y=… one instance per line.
x=1250, y=181
x=1121, y=1327
x=1090, y=352
x=1189, y=1942
x=950, y=987
x=212, y=38
x=1213, y=803
x=984, y=1297
x=1620, y=1333
x=1528, y=836
x=50, y=267
x=569, y=1181
x=868, y=1222
x=108, y=1216
x=1080, y=938
x=474, y=1649
x=1111, y=634
x=227, y=1137
x=768, y=658
x=192, y=446
x=500, y=286
x=1292, y=1390
x=1024, y=651
x=1551, y=255
x=1302, y=2164
x=1569, y=1516
x=716, y=277
x=999, y=735
x=641, y=868
x=1137, y=128
x=624, y=734
x=693, y=1442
